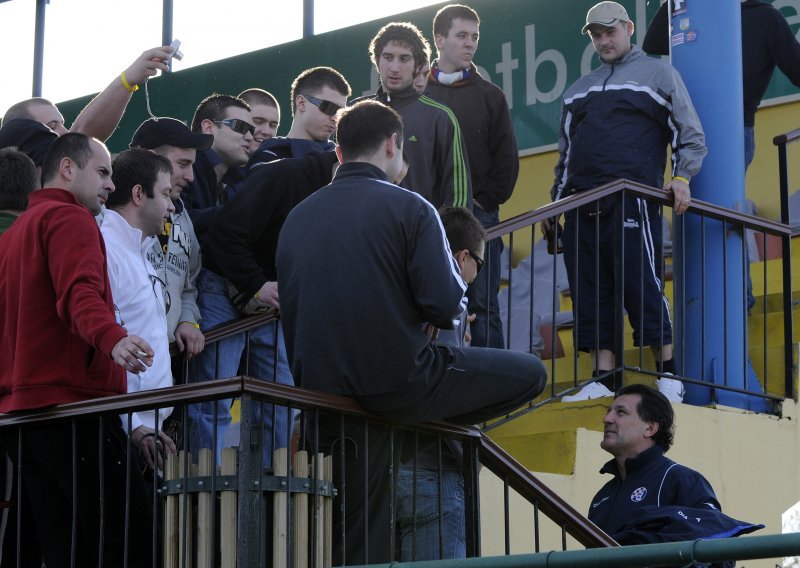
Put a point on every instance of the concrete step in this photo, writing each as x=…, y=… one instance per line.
x=545, y=440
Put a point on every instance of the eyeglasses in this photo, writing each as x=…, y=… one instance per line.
x=479, y=262
x=324, y=106
x=238, y=126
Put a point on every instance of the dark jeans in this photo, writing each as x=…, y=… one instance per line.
x=46, y=470
x=464, y=386
x=487, y=330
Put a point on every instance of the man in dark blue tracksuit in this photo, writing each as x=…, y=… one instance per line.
x=651, y=498
x=616, y=123
x=637, y=431
x=361, y=265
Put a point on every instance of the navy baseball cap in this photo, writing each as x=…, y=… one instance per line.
x=155, y=132
x=31, y=137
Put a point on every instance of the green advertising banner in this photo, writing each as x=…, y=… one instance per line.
x=532, y=49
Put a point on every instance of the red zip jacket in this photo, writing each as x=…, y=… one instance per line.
x=56, y=311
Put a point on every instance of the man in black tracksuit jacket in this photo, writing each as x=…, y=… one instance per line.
x=243, y=236
x=438, y=165
x=362, y=264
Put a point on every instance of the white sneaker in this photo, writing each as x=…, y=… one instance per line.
x=671, y=388
x=592, y=390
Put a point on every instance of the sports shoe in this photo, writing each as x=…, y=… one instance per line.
x=592, y=390
x=671, y=388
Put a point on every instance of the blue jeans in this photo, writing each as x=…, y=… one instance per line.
x=422, y=530
x=221, y=360
x=487, y=330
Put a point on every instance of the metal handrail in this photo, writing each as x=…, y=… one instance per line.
x=664, y=198
x=781, y=141
x=494, y=458
x=652, y=193
x=701, y=551
x=530, y=488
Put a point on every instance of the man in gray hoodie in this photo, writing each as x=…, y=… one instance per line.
x=176, y=255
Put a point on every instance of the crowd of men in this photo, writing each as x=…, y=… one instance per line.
x=108, y=262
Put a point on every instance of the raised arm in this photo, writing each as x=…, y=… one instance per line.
x=102, y=115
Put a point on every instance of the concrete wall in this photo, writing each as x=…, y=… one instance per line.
x=750, y=460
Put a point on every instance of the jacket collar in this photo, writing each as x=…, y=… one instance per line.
x=399, y=99
x=634, y=53
x=116, y=225
x=359, y=169
x=634, y=464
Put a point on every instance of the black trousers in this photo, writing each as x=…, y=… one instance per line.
x=592, y=255
x=100, y=494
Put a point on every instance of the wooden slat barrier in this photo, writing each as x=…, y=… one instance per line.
x=189, y=510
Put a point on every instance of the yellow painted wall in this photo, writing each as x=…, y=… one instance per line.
x=536, y=172
x=751, y=461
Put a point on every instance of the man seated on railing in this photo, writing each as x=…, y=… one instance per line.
x=135, y=214
x=616, y=122
x=362, y=264
x=61, y=343
x=652, y=498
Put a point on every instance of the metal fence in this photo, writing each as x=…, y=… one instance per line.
x=537, y=303
x=350, y=488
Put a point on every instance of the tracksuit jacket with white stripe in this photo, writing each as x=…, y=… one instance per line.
x=617, y=120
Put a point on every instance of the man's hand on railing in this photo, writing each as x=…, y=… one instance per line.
x=681, y=193
x=268, y=294
x=189, y=339
x=467, y=334
x=133, y=354
x=153, y=446
x=432, y=332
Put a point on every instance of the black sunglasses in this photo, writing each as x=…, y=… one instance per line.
x=324, y=106
x=479, y=262
x=238, y=126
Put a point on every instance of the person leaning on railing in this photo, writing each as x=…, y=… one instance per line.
x=615, y=123
x=62, y=343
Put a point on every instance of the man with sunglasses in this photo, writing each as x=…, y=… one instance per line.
x=317, y=94
x=438, y=165
x=135, y=214
x=227, y=119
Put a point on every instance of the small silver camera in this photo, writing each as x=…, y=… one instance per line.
x=176, y=52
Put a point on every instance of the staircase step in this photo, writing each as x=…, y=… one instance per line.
x=545, y=440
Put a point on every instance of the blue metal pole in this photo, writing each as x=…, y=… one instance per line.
x=38, y=47
x=707, y=50
x=308, y=18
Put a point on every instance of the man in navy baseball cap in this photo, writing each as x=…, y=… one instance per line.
x=176, y=255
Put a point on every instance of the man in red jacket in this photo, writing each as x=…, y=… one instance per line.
x=62, y=343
